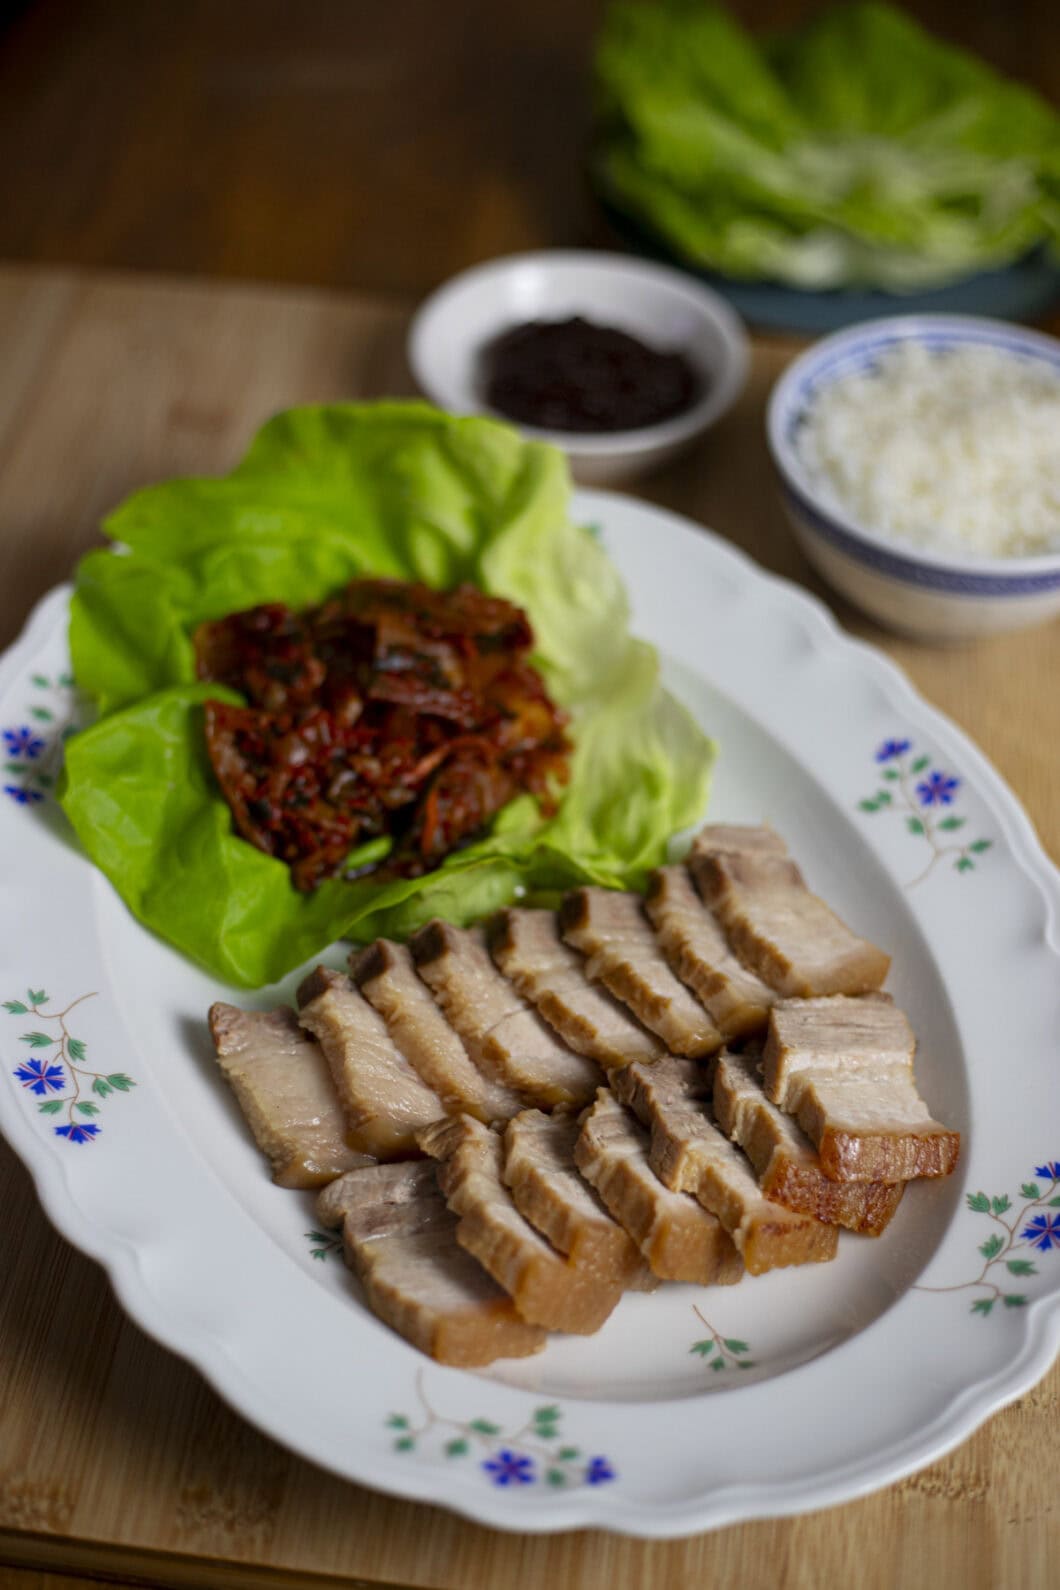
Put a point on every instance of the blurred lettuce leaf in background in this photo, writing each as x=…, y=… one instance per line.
x=855, y=150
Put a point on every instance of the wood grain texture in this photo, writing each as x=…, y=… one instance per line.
x=114, y=1456
x=342, y=143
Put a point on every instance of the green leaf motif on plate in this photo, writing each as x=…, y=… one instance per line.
x=516, y=1458
x=1015, y=1230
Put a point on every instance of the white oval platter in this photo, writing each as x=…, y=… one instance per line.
x=693, y=1407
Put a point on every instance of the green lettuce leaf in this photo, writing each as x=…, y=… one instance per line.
x=857, y=149
x=325, y=494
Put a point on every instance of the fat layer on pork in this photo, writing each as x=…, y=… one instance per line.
x=844, y=1068
x=384, y=1100
x=679, y=1238
x=527, y=947
x=693, y=943
x=400, y=1239
x=504, y=1036
x=613, y=933
x=547, y=1288
x=690, y=1154
x=284, y=1088
x=386, y=976
x=785, y=1161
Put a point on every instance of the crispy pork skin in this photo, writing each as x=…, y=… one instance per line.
x=613, y=933
x=679, y=1238
x=527, y=947
x=504, y=1036
x=546, y=1288
x=547, y=1189
x=384, y=1100
x=693, y=943
x=400, y=1238
x=844, y=1068
x=786, y=1162
x=783, y=933
x=387, y=978
x=689, y=1154
x=284, y=1088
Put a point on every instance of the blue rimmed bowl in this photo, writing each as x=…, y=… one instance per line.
x=932, y=596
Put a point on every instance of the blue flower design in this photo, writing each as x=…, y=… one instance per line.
x=1051, y=1169
x=893, y=748
x=40, y=1077
x=599, y=1471
x=1043, y=1232
x=22, y=797
x=510, y=1468
x=23, y=742
x=77, y=1133
x=937, y=789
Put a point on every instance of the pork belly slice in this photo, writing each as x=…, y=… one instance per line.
x=546, y=1288
x=759, y=840
x=689, y=1154
x=400, y=1238
x=527, y=947
x=388, y=980
x=783, y=933
x=548, y=1190
x=503, y=1035
x=786, y=1162
x=384, y=1100
x=612, y=931
x=844, y=1068
x=284, y=1088
x=693, y=943
x=679, y=1238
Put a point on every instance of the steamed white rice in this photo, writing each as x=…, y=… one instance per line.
x=954, y=451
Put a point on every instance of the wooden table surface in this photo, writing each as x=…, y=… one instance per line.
x=341, y=143
x=115, y=1458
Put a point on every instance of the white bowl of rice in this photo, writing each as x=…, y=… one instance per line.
x=919, y=462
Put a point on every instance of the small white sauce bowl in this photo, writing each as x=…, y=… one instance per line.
x=660, y=306
x=931, y=596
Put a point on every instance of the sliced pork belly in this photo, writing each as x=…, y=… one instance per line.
x=677, y=1236
x=786, y=935
x=504, y=1036
x=388, y=980
x=844, y=1068
x=759, y=840
x=612, y=931
x=548, y=1190
x=527, y=947
x=689, y=1154
x=384, y=1100
x=786, y=1162
x=400, y=1238
x=284, y=1088
x=332, y=1200
x=693, y=943
x=546, y=1288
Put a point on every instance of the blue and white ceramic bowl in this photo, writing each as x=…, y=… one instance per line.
x=933, y=596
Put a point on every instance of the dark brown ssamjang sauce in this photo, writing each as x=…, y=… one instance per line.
x=573, y=375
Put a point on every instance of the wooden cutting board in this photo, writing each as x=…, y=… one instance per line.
x=115, y=1458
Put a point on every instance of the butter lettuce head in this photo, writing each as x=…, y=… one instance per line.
x=854, y=150
x=323, y=495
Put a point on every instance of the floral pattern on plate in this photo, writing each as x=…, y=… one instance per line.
x=533, y=1454
x=1026, y=1229
x=32, y=748
x=54, y=1074
x=924, y=796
